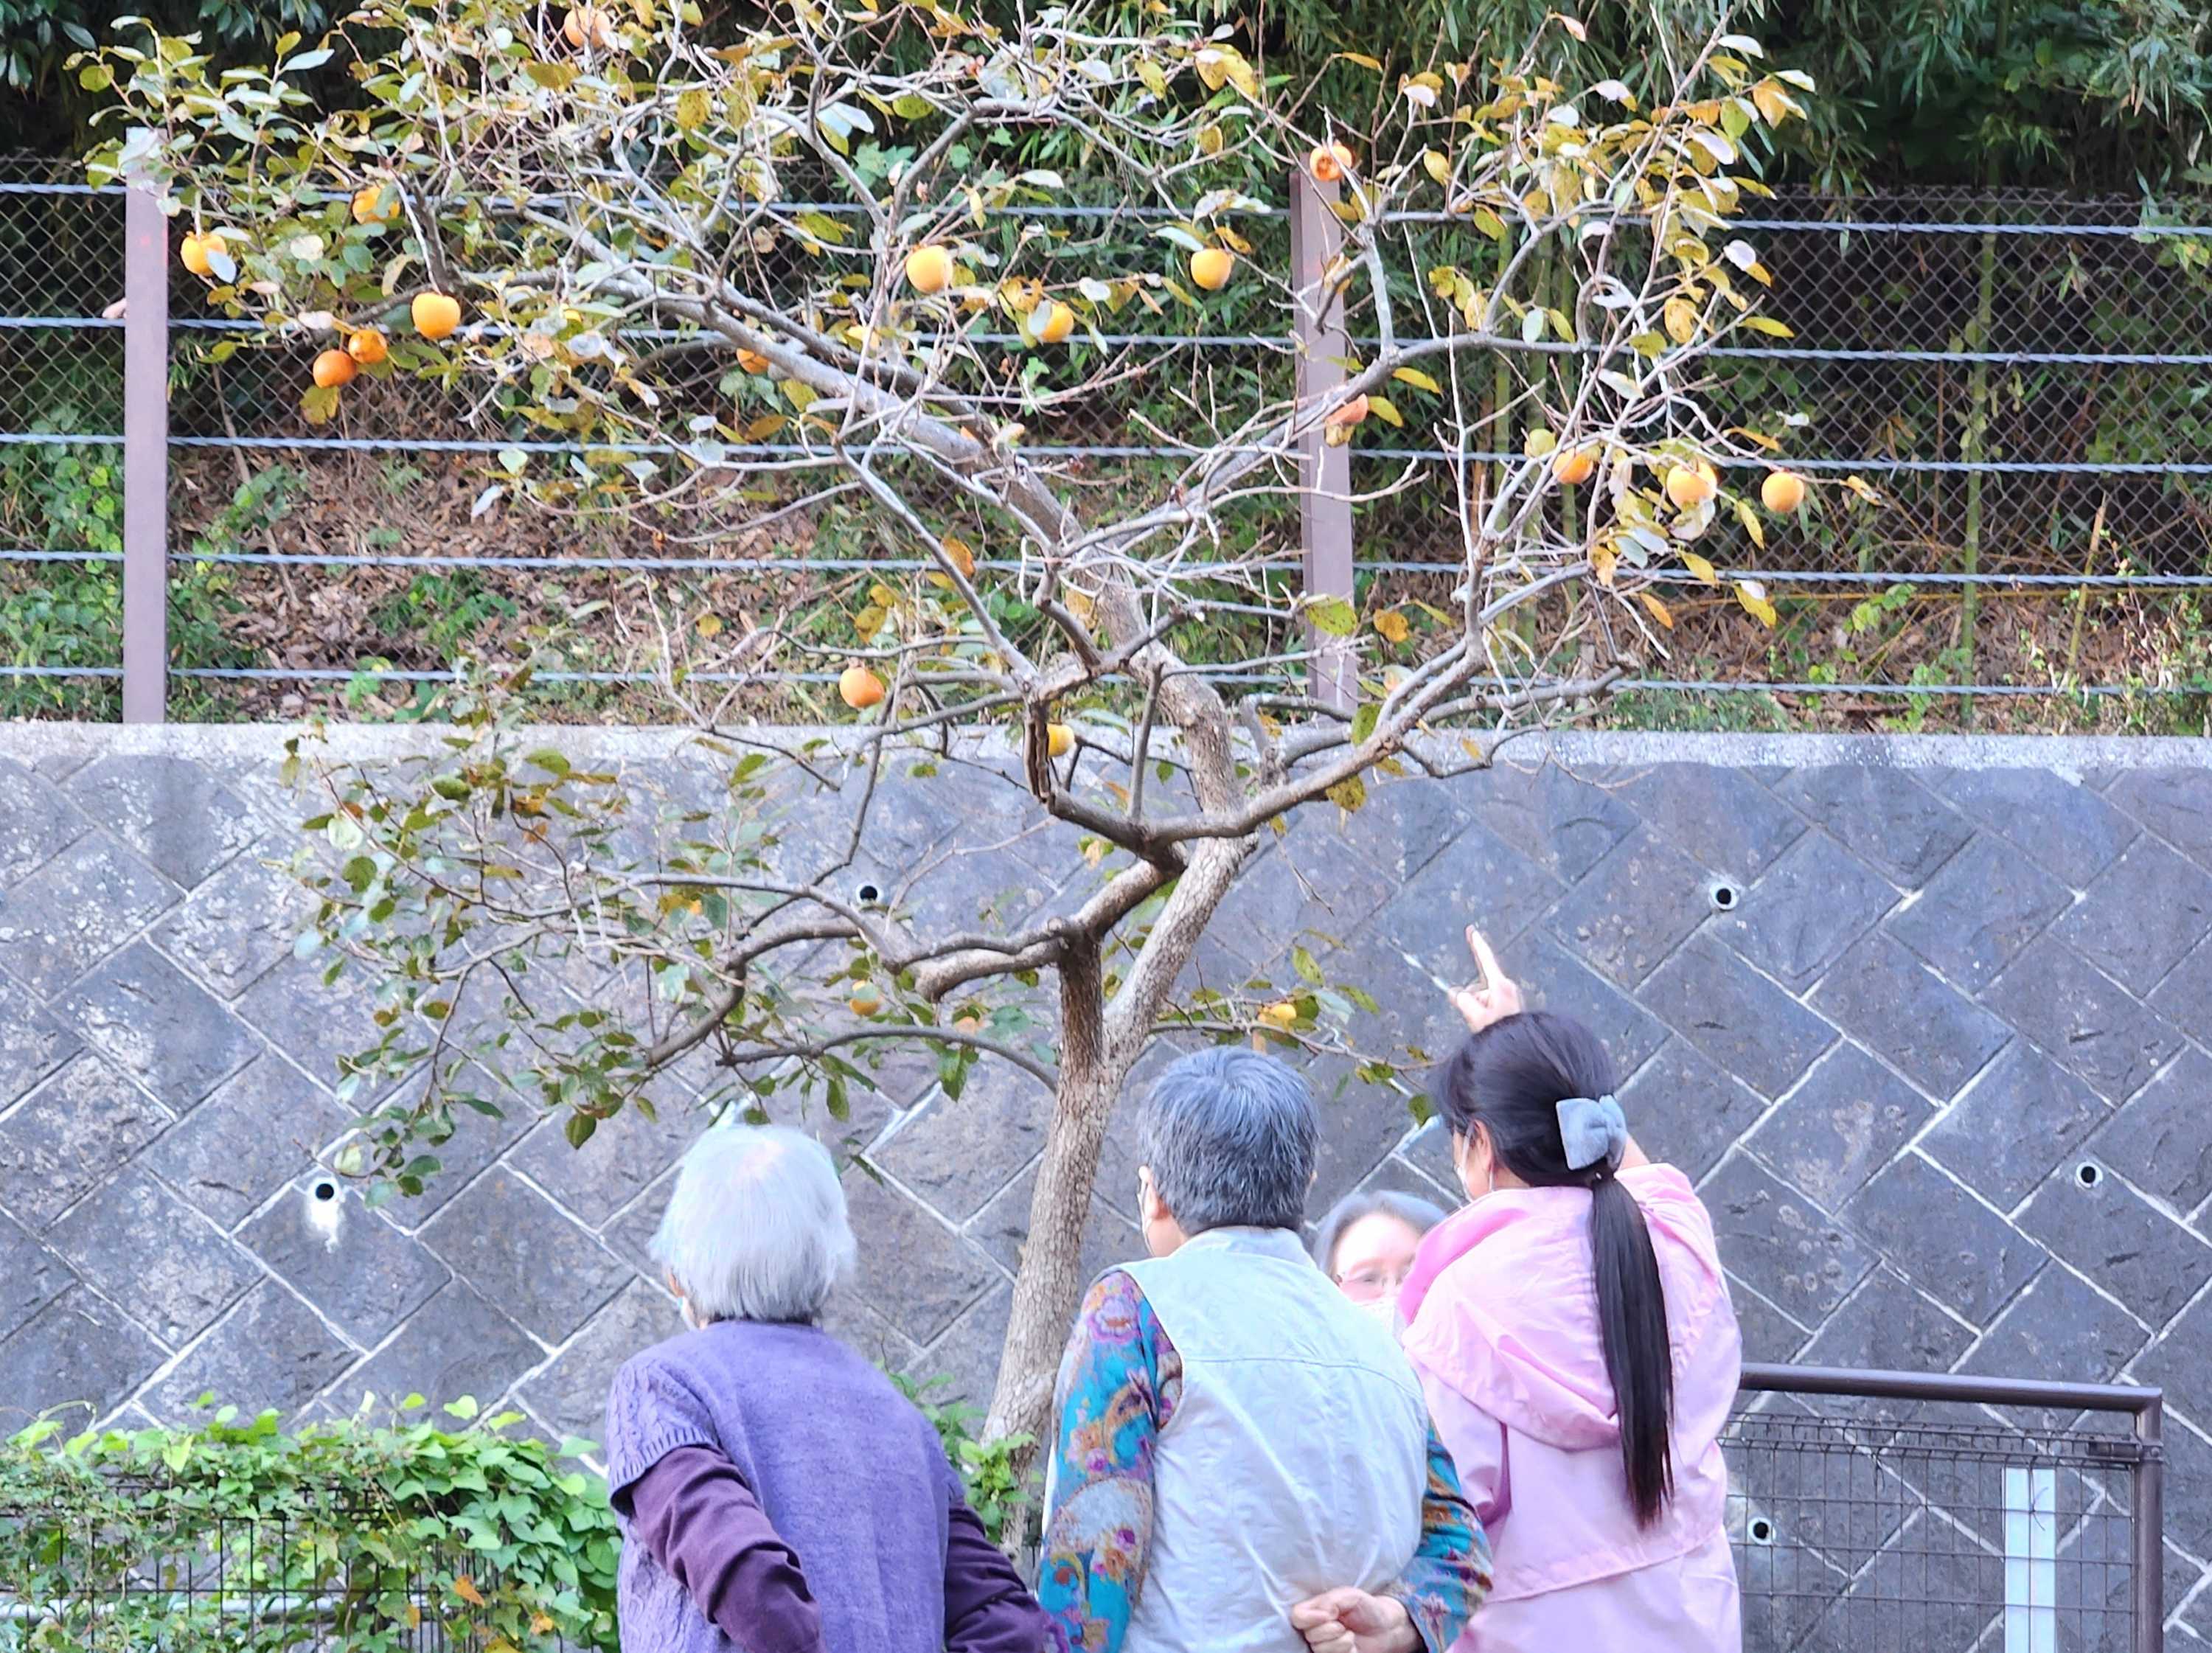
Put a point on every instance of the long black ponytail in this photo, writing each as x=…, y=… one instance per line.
x=1510, y=1079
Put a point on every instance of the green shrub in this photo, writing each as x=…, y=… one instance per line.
x=348, y=1535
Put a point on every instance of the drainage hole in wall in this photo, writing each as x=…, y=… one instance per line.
x=2088, y=1174
x=326, y=1190
x=1724, y=895
x=869, y=894
x=1762, y=1531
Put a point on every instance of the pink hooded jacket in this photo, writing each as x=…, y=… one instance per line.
x=1501, y=1313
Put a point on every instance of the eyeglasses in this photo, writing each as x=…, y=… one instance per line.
x=1365, y=1284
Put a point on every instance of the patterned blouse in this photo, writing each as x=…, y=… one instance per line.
x=1119, y=1382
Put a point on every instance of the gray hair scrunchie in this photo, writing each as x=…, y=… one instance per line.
x=1593, y=1130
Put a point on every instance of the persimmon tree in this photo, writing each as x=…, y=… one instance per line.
x=825, y=265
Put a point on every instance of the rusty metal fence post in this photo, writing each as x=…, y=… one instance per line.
x=145, y=459
x=1324, y=472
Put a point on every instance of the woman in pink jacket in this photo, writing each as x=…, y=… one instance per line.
x=1574, y=1334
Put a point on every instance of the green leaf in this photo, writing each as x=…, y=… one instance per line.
x=1349, y=793
x=1334, y=617
x=1303, y=963
x=1364, y=720
x=578, y=1129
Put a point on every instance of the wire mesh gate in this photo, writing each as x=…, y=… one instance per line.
x=1893, y=1512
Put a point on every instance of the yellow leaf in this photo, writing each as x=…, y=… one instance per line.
x=540, y=1624
x=1863, y=488
x=1703, y=569
x=1349, y=793
x=1417, y=380
x=868, y=622
x=466, y=1588
x=1387, y=412
x=1657, y=609
x=1433, y=162
x=1768, y=326
x=1573, y=24
x=1362, y=59
x=692, y=108
x=1777, y=105
x=414, y=1616
x=1753, y=596
x=1392, y=626
x=1155, y=82
x=1682, y=319
x=1603, y=561
x=709, y=625
x=1751, y=525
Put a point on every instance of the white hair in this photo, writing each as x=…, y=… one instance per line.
x=756, y=1229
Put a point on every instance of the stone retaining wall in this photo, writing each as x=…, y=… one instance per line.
x=1928, y=1019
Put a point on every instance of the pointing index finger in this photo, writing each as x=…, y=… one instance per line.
x=1484, y=960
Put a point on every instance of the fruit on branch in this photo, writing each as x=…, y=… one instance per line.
x=1336, y=430
x=859, y=688
x=958, y=554
x=589, y=26
x=1282, y=1015
x=864, y=1001
x=375, y=203
x=1211, y=266
x=1574, y=466
x=1329, y=162
x=929, y=269
x=1690, y=486
x=1052, y=322
x=334, y=369
x=969, y=1023
x=198, y=253
x=1539, y=442
x=367, y=347
x=435, y=315
x=1058, y=739
x=1782, y=492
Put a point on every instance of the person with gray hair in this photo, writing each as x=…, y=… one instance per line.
x=774, y=1492
x=1366, y=1243
x=1245, y=1463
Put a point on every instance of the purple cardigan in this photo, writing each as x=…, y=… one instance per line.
x=737, y=1453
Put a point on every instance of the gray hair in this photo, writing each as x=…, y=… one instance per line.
x=1230, y=1135
x=1418, y=1214
x=756, y=1229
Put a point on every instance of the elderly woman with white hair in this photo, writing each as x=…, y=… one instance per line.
x=775, y=1492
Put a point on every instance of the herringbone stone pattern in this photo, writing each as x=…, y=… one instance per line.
x=1935, y=1041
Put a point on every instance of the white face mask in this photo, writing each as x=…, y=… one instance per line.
x=1384, y=1308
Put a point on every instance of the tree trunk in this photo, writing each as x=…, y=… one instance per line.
x=1048, y=1284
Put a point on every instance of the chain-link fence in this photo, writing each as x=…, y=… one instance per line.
x=2020, y=378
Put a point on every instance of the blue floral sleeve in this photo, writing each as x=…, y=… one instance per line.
x=1119, y=1383
x=1450, y=1574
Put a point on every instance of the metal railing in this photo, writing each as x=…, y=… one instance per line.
x=1937, y=1513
